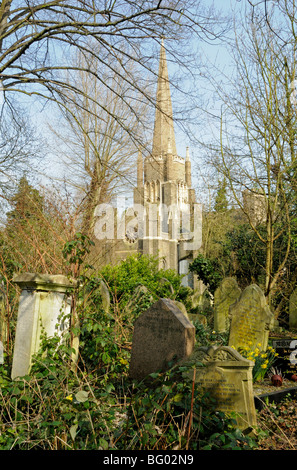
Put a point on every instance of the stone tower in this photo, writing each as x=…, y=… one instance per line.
x=165, y=220
x=164, y=190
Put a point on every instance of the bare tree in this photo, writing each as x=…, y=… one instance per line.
x=257, y=149
x=98, y=154
x=20, y=149
x=38, y=37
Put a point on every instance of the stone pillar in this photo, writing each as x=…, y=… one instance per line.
x=44, y=301
x=188, y=175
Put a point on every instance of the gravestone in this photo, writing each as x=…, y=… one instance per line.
x=43, y=301
x=162, y=336
x=198, y=317
x=286, y=360
x=105, y=295
x=293, y=311
x=251, y=319
x=225, y=295
x=226, y=376
x=182, y=308
x=141, y=292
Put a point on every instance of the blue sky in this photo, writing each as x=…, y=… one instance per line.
x=212, y=52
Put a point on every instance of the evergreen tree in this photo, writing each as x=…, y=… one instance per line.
x=221, y=202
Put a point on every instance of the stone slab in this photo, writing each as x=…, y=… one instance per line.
x=162, y=336
x=225, y=295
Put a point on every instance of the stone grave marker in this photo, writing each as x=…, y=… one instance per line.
x=293, y=311
x=162, y=335
x=105, y=295
x=286, y=361
x=251, y=320
x=44, y=299
x=225, y=295
x=227, y=377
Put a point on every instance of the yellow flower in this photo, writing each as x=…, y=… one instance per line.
x=264, y=366
x=70, y=398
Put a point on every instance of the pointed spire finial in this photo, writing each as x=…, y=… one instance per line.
x=164, y=127
x=187, y=154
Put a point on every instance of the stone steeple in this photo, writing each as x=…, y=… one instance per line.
x=164, y=129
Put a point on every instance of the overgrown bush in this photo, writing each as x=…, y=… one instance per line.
x=93, y=404
x=58, y=407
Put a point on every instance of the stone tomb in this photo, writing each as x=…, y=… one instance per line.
x=162, y=336
x=227, y=377
x=251, y=320
x=44, y=299
x=225, y=295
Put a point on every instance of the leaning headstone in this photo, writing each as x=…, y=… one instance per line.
x=225, y=295
x=162, y=336
x=251, y=319
x=226, y=376
x=105, y=295
x=293, y=311
x=43, y=301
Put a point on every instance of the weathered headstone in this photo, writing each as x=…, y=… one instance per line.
x=138, y=294
x=182, y=308
x=199, y=317
x=251, y=319
x=43, y=301
x=227, y=377
x=105, y=295
x=162, y=335
x=225, y=295
x=293, y=311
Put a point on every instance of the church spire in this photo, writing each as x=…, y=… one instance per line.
x=164, y=128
